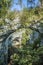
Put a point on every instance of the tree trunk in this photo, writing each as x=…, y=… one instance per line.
x=41, y=3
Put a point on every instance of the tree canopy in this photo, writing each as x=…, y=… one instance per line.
x=21, y=34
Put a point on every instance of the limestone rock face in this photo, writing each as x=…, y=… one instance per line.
x=37, y=33
x=8, y=37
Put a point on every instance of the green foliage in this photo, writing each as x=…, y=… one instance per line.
x=27, y=56
x=4, y=6
x=2, y=22
x=24, y=17
x=11, y=15
x=24, y=40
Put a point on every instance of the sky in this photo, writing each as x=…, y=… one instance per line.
x=24, y=4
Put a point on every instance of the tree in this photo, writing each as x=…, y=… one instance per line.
x=4, y=6
x=31, y=2
x=41, y=3
x=20, y=3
